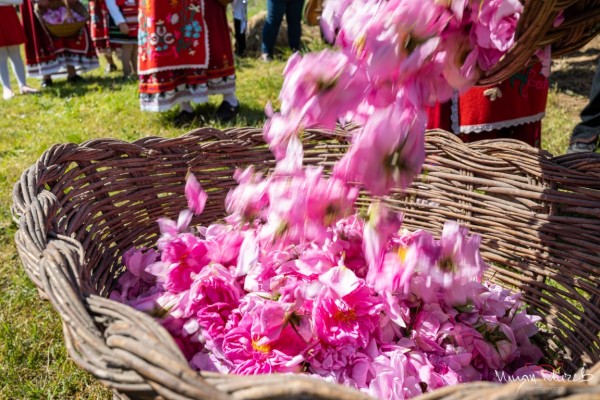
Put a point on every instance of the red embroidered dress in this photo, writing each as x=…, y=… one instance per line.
x=184, y=52
x=513, y=109
x=47, y=55
x=99, y=24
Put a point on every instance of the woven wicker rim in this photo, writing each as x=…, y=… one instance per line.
x=80, y=206
x=535, y=31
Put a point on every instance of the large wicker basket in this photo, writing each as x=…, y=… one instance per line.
x=80, y=206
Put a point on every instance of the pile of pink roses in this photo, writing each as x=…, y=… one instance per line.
x=295, y=281
x=60, y=16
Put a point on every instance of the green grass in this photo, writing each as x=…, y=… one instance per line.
x=33, y=359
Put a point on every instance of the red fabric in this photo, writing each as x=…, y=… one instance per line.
x=99, y=24
x=172, y=35
x=219, y=36
x=523, y=96
x=219, y=65
x=11, y=30
x=45, y=54
x=130, y=13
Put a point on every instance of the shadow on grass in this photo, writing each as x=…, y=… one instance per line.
x=577, y=76
x=205, y=116
x=63, y=89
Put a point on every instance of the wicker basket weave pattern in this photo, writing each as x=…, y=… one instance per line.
x=81, y=206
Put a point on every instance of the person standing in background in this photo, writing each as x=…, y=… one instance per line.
x=124, y=31
x=46, y=55
x=185, y=55
x=276, y=9
x=100, y=33
x=584, y=138
x=240, y=20
x=11, y=37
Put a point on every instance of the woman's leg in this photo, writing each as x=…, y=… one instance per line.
x=293, y=17
x=126, y=50
x=4, y=77
x=240, y=38
x=14, y=54
x=275, y=11
x=106, y=54
x=134, y=60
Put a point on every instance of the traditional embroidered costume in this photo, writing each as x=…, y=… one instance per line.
x=99, y=24
x=123, y=11
x=48, y=55
x=185, y=52
x=513, y=109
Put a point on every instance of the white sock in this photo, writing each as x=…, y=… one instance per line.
x=186, y=106
x=231, y=98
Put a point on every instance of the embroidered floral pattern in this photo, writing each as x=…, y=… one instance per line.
x=172, y=35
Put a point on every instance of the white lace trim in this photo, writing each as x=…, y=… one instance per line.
x=501, y=124
x=166, y=101
x=58, y=66
x=190, y=66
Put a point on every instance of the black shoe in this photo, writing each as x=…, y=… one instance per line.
x=227, y=112
x=46, y=83
x=184, y=118
x=75, y=79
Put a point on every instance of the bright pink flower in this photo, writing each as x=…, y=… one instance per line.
x=195, y=195
x=390, y=150
x=494, y=27
x=249, y=198
x=321, y=87
x=382, y=224
x=223, y=244
x=348, y=319
x=345, y=365
x=280, y=128
x=213, y=288
x=263, y=341
x=460, y=68
x=459, y=259
x=180, y=258
x=395, y=377
x=331, y=17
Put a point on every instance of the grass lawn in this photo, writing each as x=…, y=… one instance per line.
x=33, y=360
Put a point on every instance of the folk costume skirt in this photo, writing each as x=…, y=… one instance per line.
x=185, y=57
x=48, y=55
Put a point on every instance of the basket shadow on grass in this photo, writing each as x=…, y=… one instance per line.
x=538, y=217
x=206, y=115
x=575, y=72
x=61, y=88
